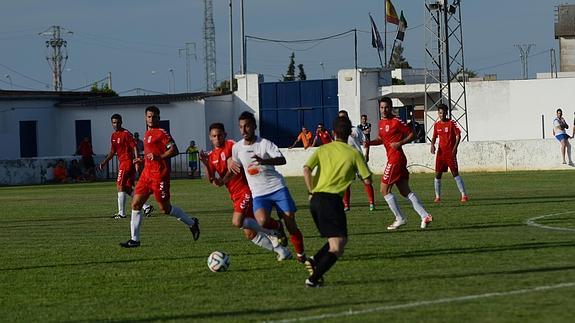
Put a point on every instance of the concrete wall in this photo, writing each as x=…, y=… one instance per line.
x=509, y=110
x=358, y=92
x=482, y=156
x=42, y=111
x=567, y=54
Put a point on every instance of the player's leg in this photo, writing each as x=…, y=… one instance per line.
x=162, y=196
x=563, y=146
x=142, y=192
x=458, y=180
x=390, y=176
x=568, y=150
x=330, y=219
x=440, y=168
x=370, y=195
x=346, y=198
x=403, y=187
x=121, y=181
x=285, y=204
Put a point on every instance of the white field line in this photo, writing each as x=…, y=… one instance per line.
x=531, y=222
x=351, y=312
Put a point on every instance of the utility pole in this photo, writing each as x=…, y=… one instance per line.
x=553, y=63
x=209, y=46
x=524, y=50
x=243, y=58
x=231, y=50
x=58, y=57
x=189, y=52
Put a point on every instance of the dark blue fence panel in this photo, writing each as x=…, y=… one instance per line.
x=286, y=107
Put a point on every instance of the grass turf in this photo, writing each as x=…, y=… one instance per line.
x=60, y=259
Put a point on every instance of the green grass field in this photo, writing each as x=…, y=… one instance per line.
x=478, y=262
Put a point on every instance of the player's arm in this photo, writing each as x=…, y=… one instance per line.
x=171, y=151
x=275, y=161
x=456, y=145
x=433, y=140
x=307, y=177
x=106, y=160
x=407, y=139
x=294, y=143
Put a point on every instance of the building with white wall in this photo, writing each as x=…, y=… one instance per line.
x=51, y=120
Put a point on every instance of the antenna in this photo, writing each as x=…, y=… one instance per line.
x=58, y=56
x=209, y=45
x=524, y=49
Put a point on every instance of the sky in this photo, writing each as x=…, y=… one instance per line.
x=138, y=41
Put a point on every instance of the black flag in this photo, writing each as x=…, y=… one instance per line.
x=375, y=37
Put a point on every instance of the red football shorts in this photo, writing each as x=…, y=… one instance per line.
x=444, y=161
x=160, y=187
x=126, y=174
x=243, y=203
x=394, y=172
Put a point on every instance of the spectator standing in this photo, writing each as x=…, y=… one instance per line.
x=365, y=127
x=85, y=150
x=193, y=153
x=560, y=127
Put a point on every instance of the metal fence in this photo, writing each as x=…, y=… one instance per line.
x=179, y=164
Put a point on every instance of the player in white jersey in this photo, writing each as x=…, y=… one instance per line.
x=258, y=157
x=357, y=140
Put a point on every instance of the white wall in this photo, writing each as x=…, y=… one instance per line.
x=246, y=98
x=484, y=156
x=363, y=98
x=507, y=110
x=12, y=112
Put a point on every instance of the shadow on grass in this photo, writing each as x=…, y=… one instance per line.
x=461, y=275
x=467, y=250
x=433, y=229
x=218, y=314
x=125, y=261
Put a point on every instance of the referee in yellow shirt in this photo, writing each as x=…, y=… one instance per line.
x=337, y=165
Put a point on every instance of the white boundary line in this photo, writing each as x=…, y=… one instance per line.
x=424, y=303
x=531, y=222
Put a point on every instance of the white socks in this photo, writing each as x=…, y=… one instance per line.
x=179, y=214
x=263, y=241
x=135, y=223
x=392, y=202
x=460, y=185
x=144, y=207
x=417, y=206
x=121, y=202
x=437, y=186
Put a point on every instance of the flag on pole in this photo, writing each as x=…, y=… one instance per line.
x=375, y=36
x=401, y=27
x=390, y=13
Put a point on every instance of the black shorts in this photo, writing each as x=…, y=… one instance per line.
x=328, y=214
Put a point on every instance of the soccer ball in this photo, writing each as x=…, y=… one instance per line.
x=218, y=261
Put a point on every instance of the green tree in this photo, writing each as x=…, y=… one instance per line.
x=225, y=86
x=397, y=59
x=301, y=75
x=104, y=89
x=290, y=74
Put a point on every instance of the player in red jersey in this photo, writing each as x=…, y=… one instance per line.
x=124, y=145
x=216, y=162
x=394, y=133
x=155, y=179
x=322, y=135
x=449, y=136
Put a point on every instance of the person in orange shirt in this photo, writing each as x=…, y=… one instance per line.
x=305, y=138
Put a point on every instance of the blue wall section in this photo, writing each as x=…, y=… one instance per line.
x=286, y=107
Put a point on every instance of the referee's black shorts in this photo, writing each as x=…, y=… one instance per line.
x=328, y=214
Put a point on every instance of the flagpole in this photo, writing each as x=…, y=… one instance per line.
x=384, y=32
